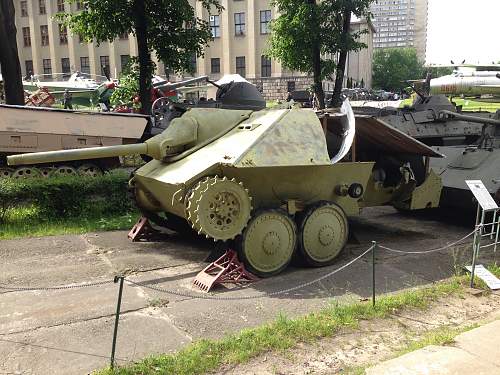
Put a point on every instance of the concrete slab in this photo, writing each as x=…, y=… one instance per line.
x=483, y=342
x=24, y=311
x=86, y=346
x=435, y=360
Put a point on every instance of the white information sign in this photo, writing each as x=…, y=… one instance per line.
x=485, y=275
x=482, y=194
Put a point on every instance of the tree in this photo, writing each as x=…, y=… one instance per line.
x=168, y=27
x=9, y=59
x=393, y=67
x=322, y=30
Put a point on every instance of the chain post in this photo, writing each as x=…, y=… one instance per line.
x=475, y=247
x=117, y=317
x=374, y=246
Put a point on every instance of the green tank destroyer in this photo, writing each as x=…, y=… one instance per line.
x=267, y=180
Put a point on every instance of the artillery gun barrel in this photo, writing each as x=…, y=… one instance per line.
x=175, y=85
x=480, y=120
x=79, y=154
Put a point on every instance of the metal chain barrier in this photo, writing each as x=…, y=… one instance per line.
x=283, y=291
x=428, y=251
x=62, y=287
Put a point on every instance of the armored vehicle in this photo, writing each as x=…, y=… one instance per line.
x=275, y=181
x=28, y=129
x=469, y=140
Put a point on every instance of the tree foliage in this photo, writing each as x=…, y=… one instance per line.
x=393, y=67
x=128, y=86
x=306, y=30
x=9, y=60
x=170, y=28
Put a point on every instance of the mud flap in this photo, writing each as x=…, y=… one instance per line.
x=427, y=195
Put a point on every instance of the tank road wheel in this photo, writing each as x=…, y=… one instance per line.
x=46, y=172
x=222, y=209
x=6, y=172
x=323, y=233
x=268, y=242
x=63, y=170
x=26, y=172
x=90, y=170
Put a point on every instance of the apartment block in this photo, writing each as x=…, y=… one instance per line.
x=240, y=35
x=400, y=23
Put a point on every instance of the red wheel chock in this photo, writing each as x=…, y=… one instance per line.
x=142, y=230
x=226, y=269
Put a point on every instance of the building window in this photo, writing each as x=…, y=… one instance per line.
x=85, y=65
x=81, y=39
x=63, y=34
x=240, y=66
x=192, y=63
x=47, y=67
x=239, y=24
x=215, y=26
x=265, y=66
x=79, y=4
x=265, y=19
x=290, y=86
x=215, y=65
x=124, y=60
x=28, y=64
x=123, y=36
x=26, y=36
x=24, y=8
x=104, y=60
x=65, y=66
x=44, y=33
x=60, y=5
x=41, y=7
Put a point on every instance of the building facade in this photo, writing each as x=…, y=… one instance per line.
x=400, y=23
x=240, y=35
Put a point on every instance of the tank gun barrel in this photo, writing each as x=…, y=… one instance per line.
x=79, y=154
x=459, y=116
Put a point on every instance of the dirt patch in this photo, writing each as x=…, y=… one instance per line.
x=374, y=340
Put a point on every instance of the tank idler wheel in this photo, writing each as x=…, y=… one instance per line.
x=6, y=172
x=63, y=170
x=90, y=170
x=323, y=233
x=268, y=242
x=26, y=172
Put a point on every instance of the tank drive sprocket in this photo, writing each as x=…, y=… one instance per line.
x=323, y=233
x=219, y=208
x=268, y=242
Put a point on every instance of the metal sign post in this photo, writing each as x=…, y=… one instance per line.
x=485, y=205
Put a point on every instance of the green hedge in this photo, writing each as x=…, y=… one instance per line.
x=65, y=197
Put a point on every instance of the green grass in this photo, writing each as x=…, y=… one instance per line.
x=26, y=222
x=284, y=333
x=439, y=336
x=467, y=105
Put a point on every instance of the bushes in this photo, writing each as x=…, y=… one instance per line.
x=66, y=197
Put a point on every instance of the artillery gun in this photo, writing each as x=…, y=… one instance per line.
x=274, y=182
x=469, y=140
